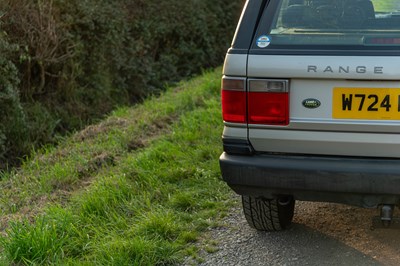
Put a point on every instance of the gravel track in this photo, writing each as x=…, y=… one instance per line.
x=322, y=234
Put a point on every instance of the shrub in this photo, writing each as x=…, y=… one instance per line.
x=12, y=120
x=78, y=59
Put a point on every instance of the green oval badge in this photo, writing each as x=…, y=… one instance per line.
x=311, y=103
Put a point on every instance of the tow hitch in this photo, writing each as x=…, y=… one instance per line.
x=386, y=219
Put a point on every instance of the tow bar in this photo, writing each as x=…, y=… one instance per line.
x=386, y=220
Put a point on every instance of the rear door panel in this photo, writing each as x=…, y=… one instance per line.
x=316, y=131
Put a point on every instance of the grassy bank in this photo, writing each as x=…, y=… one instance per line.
x=134, y=189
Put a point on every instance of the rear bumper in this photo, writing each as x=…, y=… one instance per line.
x=355, y=181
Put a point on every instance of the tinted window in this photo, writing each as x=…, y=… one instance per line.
x=352, y=23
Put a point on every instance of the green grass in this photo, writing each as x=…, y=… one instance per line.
x=135, y=189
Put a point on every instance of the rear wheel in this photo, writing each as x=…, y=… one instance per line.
x=268, y=214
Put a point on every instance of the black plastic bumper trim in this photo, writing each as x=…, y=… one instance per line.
x=315, y=178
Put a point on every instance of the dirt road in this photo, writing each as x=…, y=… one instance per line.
x=322, y=234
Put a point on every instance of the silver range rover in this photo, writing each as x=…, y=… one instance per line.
x=311, y=107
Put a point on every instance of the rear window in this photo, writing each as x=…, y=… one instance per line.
x=330, y=24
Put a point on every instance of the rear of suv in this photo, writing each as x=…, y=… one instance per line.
x=311, y=107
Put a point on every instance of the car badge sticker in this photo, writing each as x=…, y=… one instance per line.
x=263, y=41
x=311, y=103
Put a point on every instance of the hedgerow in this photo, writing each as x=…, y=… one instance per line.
x=68, y=62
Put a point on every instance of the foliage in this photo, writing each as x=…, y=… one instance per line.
x=12, y=120
x=78, y=59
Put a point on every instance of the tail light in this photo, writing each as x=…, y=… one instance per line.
x=265, y=103
x=268, y=102
x=234, y=100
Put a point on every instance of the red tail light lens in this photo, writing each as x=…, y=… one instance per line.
x=268, y=102
x=233, y=100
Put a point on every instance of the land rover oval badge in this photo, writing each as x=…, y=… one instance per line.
x=311, y=103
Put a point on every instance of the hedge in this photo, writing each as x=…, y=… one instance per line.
x=65, y=63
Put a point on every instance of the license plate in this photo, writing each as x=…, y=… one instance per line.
x=366, y=103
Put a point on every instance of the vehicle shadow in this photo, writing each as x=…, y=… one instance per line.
x=302, y=245
x=321, y=234
x=352, y=227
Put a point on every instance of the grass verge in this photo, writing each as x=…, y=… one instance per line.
x=134, y=189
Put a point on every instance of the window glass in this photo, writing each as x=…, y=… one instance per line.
x=367, y=23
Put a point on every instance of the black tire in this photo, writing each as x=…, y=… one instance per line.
x=268, y=214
